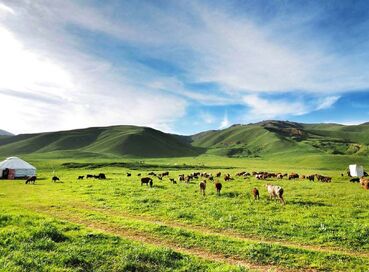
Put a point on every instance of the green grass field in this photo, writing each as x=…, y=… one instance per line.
x=118, y=225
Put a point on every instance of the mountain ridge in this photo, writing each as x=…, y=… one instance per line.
x=5, y=133
x=265, y=138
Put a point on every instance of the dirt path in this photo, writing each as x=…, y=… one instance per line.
x=141, y=236
x=223, y=233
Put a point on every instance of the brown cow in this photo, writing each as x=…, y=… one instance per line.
x=202, y=187
x=227, y=177
x=218, y=186
x=255, y=193
x=364, y=182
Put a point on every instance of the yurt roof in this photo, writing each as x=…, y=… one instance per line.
x=15, y=163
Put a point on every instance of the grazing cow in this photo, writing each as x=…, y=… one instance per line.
x=181, y=177
x=311, y=177
x=279, y=176
x=218, y=187
x=101, y=176
x=165, y=174
x=188, y=179
x=260, y=176
x=218, y=174
x=275, y=191
x=255, y=193
x=293, y=176
x=147, y=181
x=202, y=187
x=364, y=182
x=31, y=180
x=81, y=177
x=326, y=179
x=227, y=177
x=55, y=179
x=323, y=178
x=151, y=174
x=139, y=175
x=89, y=176
x=173, y=180
x=129, y=174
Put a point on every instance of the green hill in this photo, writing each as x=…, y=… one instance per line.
x=129, y=141
x=264, y=139
x=275, y=137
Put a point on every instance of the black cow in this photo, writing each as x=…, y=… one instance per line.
x=31, y=180
x=147, y=181
x=55, y=179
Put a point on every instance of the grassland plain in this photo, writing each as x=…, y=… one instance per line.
x=324, y=226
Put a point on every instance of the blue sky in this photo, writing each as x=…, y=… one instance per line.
x=182, y=66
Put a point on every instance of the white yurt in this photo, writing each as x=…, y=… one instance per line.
x=14, y=167
x=356, y=170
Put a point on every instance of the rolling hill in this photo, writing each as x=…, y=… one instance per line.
x=129, y=141
x=5, y=133
x=267, y=138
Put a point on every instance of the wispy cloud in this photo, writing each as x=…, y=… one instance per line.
x=264, y=109
x=327, y=102
x=89, y=90
x=6, y=9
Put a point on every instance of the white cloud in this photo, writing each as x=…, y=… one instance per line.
x=5, y=9
x=49, y=83
x=327, y=102
x=264, y=109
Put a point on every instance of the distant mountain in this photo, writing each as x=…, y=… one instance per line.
x=5, y=133
x=252, y=140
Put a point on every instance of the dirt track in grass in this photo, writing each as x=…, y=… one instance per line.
x=223, y=233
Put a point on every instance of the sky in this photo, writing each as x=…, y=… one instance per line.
x=181, y=66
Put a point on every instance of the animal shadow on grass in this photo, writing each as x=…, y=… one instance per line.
x=230, y=194
x=308, y=203
x=158, y=186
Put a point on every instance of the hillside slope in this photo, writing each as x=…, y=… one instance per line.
x=118, y=140
x=274, y=137
x=264, y=139
x=5, y=133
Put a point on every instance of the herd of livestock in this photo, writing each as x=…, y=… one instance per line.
x=273, y=190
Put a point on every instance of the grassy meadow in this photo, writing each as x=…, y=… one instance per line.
x=119, y=225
